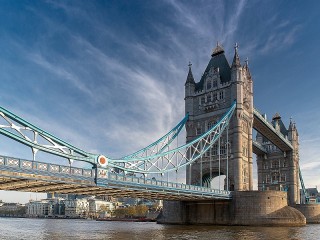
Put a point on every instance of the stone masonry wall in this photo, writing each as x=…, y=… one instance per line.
x=246, y=208
x=265, y=208
x=310, y=211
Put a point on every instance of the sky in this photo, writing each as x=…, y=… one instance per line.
x=108, y=76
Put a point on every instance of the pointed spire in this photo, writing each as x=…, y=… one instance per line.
x=246, y=63
x=236, y=59
x=190, y=78
x=218, y=50
x=246, y=67
x=291, y=125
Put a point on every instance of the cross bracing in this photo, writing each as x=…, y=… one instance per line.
x=26, y=133
x=161, y=144
x=177, y=158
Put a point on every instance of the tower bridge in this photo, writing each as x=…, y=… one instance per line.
x=219, y=122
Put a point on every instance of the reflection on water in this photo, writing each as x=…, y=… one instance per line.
x=58, y=229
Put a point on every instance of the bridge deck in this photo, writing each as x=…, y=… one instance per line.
x=32, y=176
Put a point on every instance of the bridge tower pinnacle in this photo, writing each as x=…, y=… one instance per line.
x=189, y=90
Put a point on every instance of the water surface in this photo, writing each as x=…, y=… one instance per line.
x=50, y=229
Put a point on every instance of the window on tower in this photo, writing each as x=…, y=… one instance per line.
x=275, y=177
x=198, y=130
x=275, y=164
x=221, y=95
x=209, y=85
x=267, y=178
x=214, y=97
x=209, y=97
x=214, y=83
x=222, y=150
x=211, y=124
x=214, y=150
x=285, y=164
x=283, y=177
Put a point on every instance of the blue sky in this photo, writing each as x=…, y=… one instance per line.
x=108, y=76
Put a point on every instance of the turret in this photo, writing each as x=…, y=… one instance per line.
x=276, y=122
x=292, y=131
x=236, y=58
x=189, y=91
x=190, y=83
x=247, y=70
x=236, y=78
x=249, y=81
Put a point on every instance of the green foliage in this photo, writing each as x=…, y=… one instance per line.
x=120, y=212
x=132, y=211
x=104, y=208
x=141, y=210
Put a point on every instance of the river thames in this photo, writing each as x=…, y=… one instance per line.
x=15, y=228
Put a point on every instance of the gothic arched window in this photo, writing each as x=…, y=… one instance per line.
x=214, y=83
x=209, y=85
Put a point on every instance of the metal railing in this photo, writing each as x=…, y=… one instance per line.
x=165, y=184
x=102, y=174
x=48, y=167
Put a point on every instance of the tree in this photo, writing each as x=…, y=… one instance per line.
x=103, y=208
x=141, y=210
x=120, y=212
x=131, y=211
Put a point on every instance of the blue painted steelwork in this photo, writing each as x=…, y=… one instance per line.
x=60, y=148
x=159, y=151
x=159, y=145
x=18, y=128
x=136, y=162
x=167, y=161
x=304, y=191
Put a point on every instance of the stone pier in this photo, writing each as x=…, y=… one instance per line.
x=310, y=211
x=252, y=208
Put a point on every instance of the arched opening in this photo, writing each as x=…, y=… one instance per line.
x=216, y=181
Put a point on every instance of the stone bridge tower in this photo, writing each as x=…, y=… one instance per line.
x=278, y=170
x=206, y=102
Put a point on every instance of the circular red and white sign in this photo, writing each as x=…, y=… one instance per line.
x=103, y=160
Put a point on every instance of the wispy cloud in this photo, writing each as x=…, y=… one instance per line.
x=280, y=39
x=310, y=165
x=91, y=77
x=61, y=71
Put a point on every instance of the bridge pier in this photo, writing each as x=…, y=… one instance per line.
x=215, y=212
x=310, y=211
x=250, y=208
